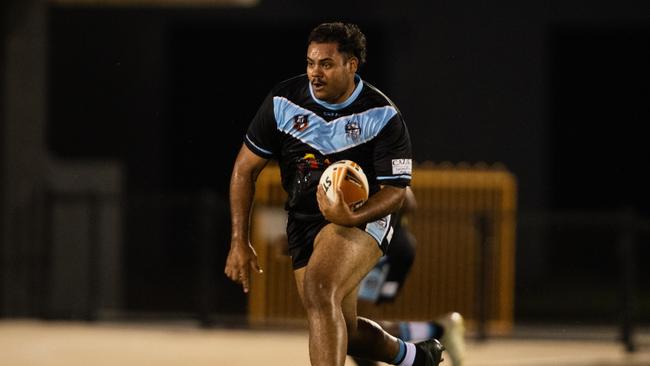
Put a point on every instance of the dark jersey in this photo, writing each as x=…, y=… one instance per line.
x=306, y=134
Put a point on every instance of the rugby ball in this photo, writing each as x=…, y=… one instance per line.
x=350, y=178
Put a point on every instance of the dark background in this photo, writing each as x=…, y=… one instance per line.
x=557, y=91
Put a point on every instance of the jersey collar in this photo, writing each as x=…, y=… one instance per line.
x=345, y=103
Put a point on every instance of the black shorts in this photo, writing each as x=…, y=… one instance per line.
x=302, y=231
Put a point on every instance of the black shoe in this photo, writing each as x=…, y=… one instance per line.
x=432, y=351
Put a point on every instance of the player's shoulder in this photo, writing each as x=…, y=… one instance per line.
x=375, y=97
x=372, y=93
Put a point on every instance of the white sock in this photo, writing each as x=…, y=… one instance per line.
x=410, y=355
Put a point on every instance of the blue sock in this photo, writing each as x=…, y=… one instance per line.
x=401, y=354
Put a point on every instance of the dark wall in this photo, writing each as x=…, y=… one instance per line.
x=598, y=95
x=108, y=88
x=599, y=108
x=476, y=89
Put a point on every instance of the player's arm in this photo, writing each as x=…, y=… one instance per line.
x=410, y=204
x=387, y=200
x=242, y=257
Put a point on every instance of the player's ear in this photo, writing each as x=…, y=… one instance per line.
x=353, y=64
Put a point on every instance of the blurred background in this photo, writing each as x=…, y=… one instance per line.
x=120, y=121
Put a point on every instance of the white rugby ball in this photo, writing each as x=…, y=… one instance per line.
x=350, y=178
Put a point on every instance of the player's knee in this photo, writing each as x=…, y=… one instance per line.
x=319, y=292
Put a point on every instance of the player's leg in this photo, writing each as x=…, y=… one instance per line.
x=340, y=259
x=364, y=335
x=363, y=362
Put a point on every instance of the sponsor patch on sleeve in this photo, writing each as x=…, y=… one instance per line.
x=402, y=166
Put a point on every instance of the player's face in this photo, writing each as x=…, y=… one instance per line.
x=330, y=72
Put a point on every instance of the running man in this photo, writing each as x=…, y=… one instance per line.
x=325, y=115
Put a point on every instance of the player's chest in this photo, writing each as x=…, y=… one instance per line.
x=328, y=134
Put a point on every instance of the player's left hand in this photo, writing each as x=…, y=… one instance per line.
x=241, y=259
x=337, y=212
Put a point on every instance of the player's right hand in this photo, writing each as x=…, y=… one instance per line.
x=241, y=259
x=337, y=212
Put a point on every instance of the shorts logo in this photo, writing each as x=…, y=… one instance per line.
x=300, y=122
x=402, y=166
x=352, y=130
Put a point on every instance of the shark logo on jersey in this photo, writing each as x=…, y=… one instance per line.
x=352, y=130
x=300, y=122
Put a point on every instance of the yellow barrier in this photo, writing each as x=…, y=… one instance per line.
x=446, y=273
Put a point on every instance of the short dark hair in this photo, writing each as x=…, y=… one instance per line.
x=351, y=41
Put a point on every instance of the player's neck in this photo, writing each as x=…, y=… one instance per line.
x=352, y=86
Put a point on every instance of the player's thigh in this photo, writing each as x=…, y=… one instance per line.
x=342, y=257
